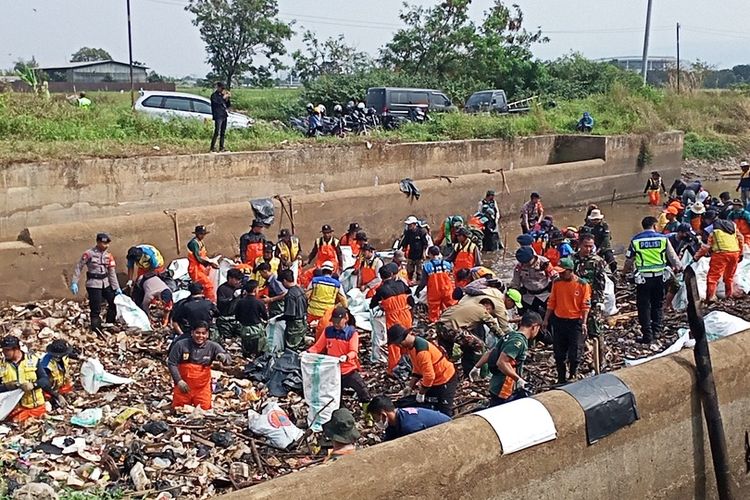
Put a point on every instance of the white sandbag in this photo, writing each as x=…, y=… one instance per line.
x=179, y=295
x=610, y=306
x=742, y=276
x=131, y=314
x=721, y=324
x=422, y=299
x=348, y=280
x=321, y=383
x=378, y=337
x=682, y=341
x=359, y=306
x=274, y=424
x=275, y=334
x=179, y=268
x=348, y=258
x=8, y=401
x=219, y=276
x=94, y=377
x=741, y=280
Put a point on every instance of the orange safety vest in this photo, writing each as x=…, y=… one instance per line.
x=198, y=378
x=253, y=251
x=397, y=311
x=327, y=251
x=439, y=281
x=695, y=223
x=194, y=266
x=464, y=256
x=367, y=273
x=553, y=255
x=351, y=242
x=743, y=228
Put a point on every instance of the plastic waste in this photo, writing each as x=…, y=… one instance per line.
x=222, y=439
x=131, y=314
x=94, y=377
x=321, y=382
x=140, y=480
x=179, y=269
x=275, y=335
x=610, y=306
x=359, y=307
x=378, y=337
x=155, y=427
x=263, y=210
x=8, y=401
x=273, y=423
x=87, y=418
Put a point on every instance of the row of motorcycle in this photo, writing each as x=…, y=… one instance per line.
x=354, y=119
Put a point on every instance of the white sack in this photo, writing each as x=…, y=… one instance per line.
x=321, y=383
x=274, y=424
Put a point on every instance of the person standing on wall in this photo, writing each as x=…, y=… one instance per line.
x=101, y=280
x=649, y=253
x=219, y=111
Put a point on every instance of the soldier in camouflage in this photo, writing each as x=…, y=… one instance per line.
x=592, y=268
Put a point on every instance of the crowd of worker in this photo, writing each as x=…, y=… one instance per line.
x=556, y=295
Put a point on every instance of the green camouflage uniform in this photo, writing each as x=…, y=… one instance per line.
x=253, y=339
x=294, y=334
x=592, y=269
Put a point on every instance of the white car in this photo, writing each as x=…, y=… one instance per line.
x=167, y=105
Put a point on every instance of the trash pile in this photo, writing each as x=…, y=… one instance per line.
x=120, y=433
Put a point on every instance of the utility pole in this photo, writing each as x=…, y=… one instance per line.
x=644, y=61
x=678, y=58
x=130, y=53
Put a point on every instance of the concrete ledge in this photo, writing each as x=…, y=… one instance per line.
x=665, y=455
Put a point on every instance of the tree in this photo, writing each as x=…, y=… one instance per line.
x=330, y=57
x=236, y=32
x=22, y=64
x=85, y=54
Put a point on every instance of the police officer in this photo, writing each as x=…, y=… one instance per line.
x=592, y=268
x=650, y=253
x=101, y=280
x=598, y=227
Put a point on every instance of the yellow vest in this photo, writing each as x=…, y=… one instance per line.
x=724, y=242
x=274, y=269
x=323, y=296
x=24, y=372
x=58, y=376
x=290, y=254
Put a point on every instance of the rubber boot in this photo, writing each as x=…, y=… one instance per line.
x=573, y=370
x=561, y=373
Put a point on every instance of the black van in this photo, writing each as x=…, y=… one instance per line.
x=398, y=101
x=487, y=100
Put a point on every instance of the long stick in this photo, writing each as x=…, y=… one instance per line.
x=707, y=390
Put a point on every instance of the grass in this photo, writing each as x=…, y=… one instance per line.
x=34, y=129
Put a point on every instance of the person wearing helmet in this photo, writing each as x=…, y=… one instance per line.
x=324, y=293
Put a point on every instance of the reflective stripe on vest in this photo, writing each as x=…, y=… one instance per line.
x=465, y=257
x=724, y=242
x=326, y=251
x=650, y=253
x=58, y=376
x=289, y=252
x=322, y=298
x=24, y=372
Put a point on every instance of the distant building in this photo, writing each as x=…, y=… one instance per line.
x=96, y=72
x=634, y=63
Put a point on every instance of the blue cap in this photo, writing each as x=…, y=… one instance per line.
x=524, y=255
x=525, y=240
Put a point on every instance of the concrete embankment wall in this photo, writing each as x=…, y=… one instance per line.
x=664, y=455
x=42, y=268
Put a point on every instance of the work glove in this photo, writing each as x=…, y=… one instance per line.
x=238, y=292
x=222, y=358
x=118, y=291
x=520, y=383
x=343, y=358
x=182, y=385
x=129, y=284
x=475, y=374
x=420, y=397
x=26, y=386
x=74, y=288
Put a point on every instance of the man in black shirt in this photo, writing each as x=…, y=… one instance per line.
x=295, y=311
x=414, y=243
x=194, y=309
x=253, y=316
x=219, y=104
x=227, y=296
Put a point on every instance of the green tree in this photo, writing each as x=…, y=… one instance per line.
x=22, y=64
x=574, y=77
x=85, y=54
x=236, y=32
x=330, y=57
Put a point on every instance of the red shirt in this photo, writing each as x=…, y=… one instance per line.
x=335, y=342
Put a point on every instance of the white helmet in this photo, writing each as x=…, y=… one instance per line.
x=337, y=108
x=360, y=105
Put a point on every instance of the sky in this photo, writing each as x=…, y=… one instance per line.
x=166, y=40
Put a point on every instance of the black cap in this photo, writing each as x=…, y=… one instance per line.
x=339, y=312
x=103, y=237
x=195, y=288
x=10, y=342
x=59, y=348
x=284, y=233
x=257, y=223
x=360, y=236
x=684, y=228
x=490, y=192
x=463, y=232
x=200, y=229
x=326, y=228
x=367, y=246
x=535, y=195
x=354, y=226
x=397, y=334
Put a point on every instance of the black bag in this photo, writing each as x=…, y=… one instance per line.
x=263, y=210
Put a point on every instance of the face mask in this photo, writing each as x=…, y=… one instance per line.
x=381, y=424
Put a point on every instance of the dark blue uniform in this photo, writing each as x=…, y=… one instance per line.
x=411, y=420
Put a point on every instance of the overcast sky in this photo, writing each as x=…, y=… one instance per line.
x=165, y=39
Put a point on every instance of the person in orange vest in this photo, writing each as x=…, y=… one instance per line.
x=725, y=247
x=570, y=303
x=466, y=253
x=368, y=274
x=670, y=223
x=326, y=249
x=350, y=238
x=341, y=340
x=433, y=375
x=198, y=262
x=324, y=292
x=557, y=248
x=395, y=299
x=189, y=365
x=694, y=216
x=20, y=370
x=437, y=277
x=654, y=188
x=288, y=249
x=252, y=243
x=741, y=218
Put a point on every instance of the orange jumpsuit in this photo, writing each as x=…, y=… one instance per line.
x=465, y=256
x=725, y=248
x=394, y=298
x=327, y=251
x=437, y=275
x=199, y=272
